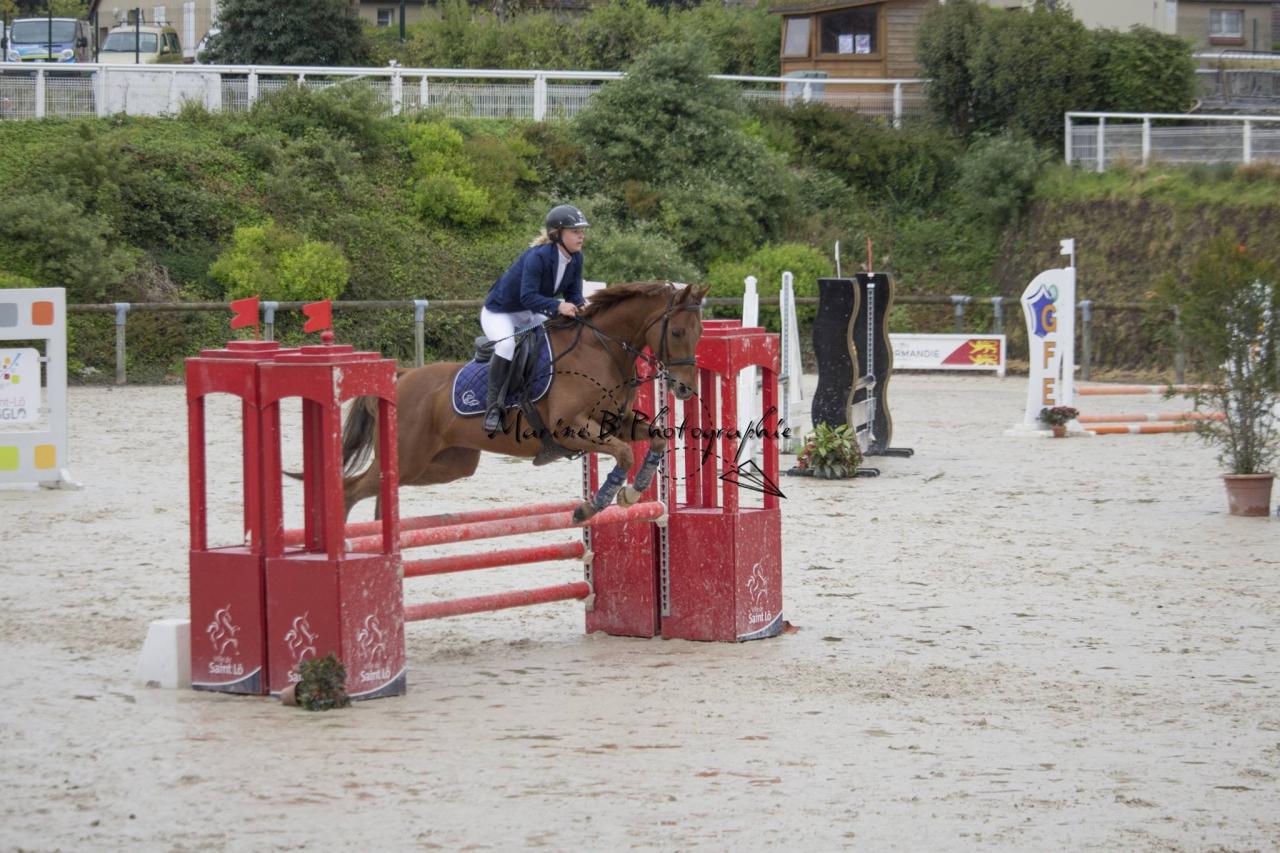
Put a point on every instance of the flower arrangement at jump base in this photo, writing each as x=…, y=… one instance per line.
x=322, y=686
x=1058, y=417
x=830, y=453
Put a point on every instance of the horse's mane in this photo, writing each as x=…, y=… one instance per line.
x=614, y=294
x=603, y=300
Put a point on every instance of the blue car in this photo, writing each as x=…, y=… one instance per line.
x=40, y=40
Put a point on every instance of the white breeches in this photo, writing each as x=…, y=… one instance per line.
x=502, y=328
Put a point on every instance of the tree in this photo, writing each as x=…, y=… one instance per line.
x=672, y=145
x=288, y=32
x=994, y=70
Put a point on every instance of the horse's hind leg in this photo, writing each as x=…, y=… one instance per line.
x=452, y=463
x=365, y=485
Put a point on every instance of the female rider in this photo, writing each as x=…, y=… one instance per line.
x=545, y=280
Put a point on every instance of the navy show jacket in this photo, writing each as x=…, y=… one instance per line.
x=530, y=283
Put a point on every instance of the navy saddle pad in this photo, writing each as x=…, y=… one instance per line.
x=471, y=383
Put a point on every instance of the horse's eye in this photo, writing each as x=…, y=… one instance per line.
x=677, y=333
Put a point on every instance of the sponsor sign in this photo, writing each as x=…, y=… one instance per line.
x=19, y=385
x=948, y=352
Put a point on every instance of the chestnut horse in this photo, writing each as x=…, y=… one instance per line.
x=588, y=408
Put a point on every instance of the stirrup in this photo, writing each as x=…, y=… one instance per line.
x=494, y=414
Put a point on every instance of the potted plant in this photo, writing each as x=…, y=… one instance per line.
x=1057, y=418
x=1228, y=307
x=830, y=453
x=322, y=685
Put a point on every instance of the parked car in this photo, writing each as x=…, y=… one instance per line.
x=203, y=46
x=142, y=43
x=49, y=40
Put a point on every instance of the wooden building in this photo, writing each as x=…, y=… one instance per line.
x=851, y=38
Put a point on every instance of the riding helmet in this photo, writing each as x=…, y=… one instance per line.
x=565, y=216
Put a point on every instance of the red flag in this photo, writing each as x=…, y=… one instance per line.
x=244, y=312
x=319, y=316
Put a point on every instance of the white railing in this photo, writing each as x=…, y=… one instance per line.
x=30, y=90
x=1098, y=140
x=1238, y=79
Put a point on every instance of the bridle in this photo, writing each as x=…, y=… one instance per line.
x=660, y=362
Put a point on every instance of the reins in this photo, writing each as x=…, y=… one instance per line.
x=660, y=362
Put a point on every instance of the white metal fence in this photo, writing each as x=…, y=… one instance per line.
x=1098, y=140
x=40, y=91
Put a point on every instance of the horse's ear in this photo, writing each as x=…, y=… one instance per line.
x=698, y=292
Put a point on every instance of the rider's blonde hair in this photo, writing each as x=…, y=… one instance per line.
x=544, y=238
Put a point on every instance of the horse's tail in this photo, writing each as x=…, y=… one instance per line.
x=357, y=436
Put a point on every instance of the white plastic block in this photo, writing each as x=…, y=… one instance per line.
x=166, y=655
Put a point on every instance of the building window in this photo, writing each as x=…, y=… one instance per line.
x=797, y=40
x=1226, y=23
x=386, y=17
x=850, y=32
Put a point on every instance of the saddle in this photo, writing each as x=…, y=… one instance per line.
x=528, y=382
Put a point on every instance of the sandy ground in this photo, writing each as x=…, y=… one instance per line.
x=1002, y=644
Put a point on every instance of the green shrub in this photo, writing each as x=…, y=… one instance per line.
x=268, y=261
x=351, y=109
x=53, y=242
x=742, y=39
x=996, y=69
x=710, y=219
x=805, y=263
x=881, y=163
x=665, y=121
x=635, y=255
x=669, y=142
x=1143, y=71
x=996, y=180
x=9, y=279
x=468, y=182
x=608, y=37
x=614, y=34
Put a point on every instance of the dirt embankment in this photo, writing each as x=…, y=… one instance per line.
x=1123, y=249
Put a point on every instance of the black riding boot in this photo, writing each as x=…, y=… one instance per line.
x=499, y=371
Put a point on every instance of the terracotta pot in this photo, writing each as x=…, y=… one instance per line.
x=289, y=695
x=1249, y=494
x=1059, y=430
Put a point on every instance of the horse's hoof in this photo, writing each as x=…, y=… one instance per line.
x=581, y=514
x=628, y=496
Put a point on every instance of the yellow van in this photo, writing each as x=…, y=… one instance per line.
x=128, y=44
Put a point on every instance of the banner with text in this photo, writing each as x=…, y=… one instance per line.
x=948, y=352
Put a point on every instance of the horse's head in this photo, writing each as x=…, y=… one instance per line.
x=675, y=339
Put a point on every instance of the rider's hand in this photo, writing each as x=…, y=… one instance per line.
x=567, y=309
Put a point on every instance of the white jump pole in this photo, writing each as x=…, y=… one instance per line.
x=792, y=377
x=748, y=404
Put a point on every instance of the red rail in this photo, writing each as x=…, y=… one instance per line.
x=493, y=559
x=500, y=601
x=1139, y=429
x=649, y=511
x=445, y=519
x=1147, y=417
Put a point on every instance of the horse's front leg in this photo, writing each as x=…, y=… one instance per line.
x=623, y=458
x=639, y=430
